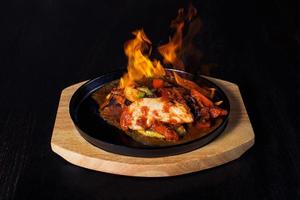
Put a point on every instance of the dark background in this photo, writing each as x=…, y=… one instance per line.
x=47, y=45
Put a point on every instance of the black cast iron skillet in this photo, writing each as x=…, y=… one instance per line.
x=85, y=115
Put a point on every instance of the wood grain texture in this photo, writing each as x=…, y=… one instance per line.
x=237, y=138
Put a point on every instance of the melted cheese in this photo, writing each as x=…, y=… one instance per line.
x=157, y=109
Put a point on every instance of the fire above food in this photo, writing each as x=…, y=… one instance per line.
x=152, y=104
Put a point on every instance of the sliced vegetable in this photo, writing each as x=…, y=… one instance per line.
x=181, y=130
x=218, y=103
x=158, y=83
x=131, y=94
x=212, y=92
x=201, y=98
x=151, y=134
x=108, y=96
x=190, y=85
x=146, y=90
x=141, y=94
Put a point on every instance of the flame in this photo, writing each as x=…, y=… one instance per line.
x=139, y=64
x=139, y=49
x=172, y=51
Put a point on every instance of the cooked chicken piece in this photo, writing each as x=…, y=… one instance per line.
x=143, y=113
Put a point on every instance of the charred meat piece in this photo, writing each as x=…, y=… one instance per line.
x=112, y=114
x=204, y=113
x=115, y=96
x=195, y=108
x=173, y=93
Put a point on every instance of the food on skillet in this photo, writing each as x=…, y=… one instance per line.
x=160, y=111
x=155, y=106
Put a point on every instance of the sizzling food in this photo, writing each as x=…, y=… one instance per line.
x=155, y=106
x=159, y=111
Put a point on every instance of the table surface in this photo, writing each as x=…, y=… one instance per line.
x=49, y=45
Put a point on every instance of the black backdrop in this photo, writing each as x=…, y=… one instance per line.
x=48, y=45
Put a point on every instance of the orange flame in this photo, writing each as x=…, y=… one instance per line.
x=139, y=64
x=172, y=50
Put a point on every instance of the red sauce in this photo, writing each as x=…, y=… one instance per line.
x=155, y=113
x=125, y=119
x=165, y=94
x=173, y=121
x=142, y=121
x=166, y=107
x=144, y=110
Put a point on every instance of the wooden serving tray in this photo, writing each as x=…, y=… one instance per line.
x=236, y=139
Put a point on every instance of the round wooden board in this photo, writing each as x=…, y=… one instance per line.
x=236, y=139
